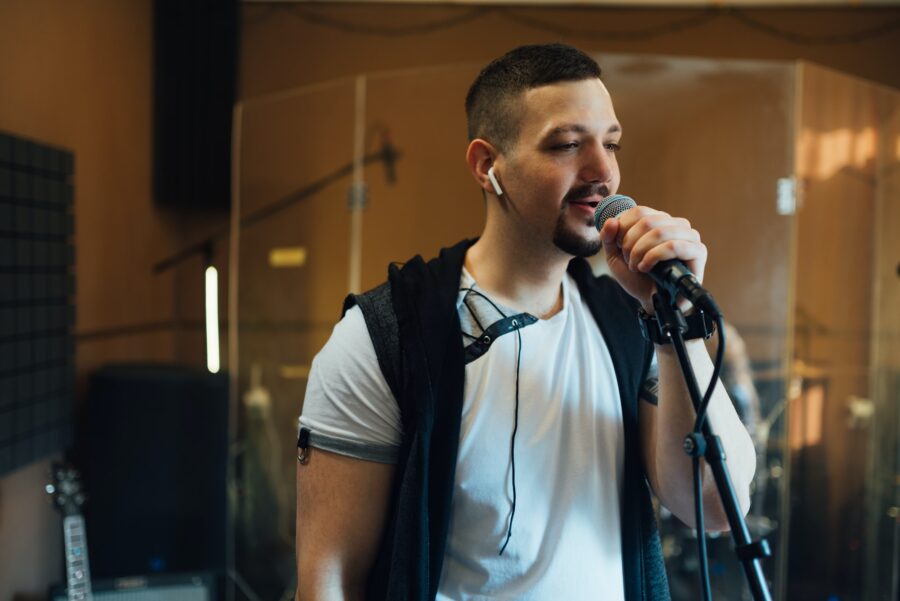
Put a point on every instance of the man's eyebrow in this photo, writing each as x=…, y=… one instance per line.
x=567, y=128
x=579, y=129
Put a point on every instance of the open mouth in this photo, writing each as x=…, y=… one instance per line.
x=588, y=203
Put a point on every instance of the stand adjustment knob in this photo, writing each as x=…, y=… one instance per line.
x=694, y=444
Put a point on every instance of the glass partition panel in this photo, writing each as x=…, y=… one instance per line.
x=432, y=201
x=296, y=153
x=710, y=140
x=882, y=544
x=843, y=434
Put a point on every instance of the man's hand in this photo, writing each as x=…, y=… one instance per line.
x=641, y=237
x=634, y=242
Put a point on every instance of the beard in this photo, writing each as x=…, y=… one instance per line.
x=573, y=243
x=568, y=239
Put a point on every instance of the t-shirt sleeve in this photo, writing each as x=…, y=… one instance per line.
x=349, y=408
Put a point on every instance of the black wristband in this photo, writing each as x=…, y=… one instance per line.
x=700, y=324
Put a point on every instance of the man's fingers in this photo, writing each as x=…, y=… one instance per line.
x=617, y=261
x=608, y=234
x=639, y=238
x=691, y=253
x=658, y=236
x=629, y=218
x=643, y=220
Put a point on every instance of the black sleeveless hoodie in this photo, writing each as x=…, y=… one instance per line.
x=414, y=325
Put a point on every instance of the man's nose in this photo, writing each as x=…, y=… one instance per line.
x=599, y=164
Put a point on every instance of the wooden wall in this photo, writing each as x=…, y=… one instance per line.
x=79, y=75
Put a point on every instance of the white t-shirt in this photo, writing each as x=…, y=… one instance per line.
x=566, y=537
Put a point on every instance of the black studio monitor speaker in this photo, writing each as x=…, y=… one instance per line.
x=155, y=455
x=194, y=87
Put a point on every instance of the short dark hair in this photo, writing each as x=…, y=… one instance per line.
x=491, y=108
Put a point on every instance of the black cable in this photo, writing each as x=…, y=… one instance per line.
x=802, y=38
x=702, y=553
x=386, y=31
x=650, y=32
x=512, y=446
x=690, y=381
x=694, y=21
x=695, y=443
x=512, y=440
x=473, y=314
x=473, y=290
x=677, y=25
x=717, y=368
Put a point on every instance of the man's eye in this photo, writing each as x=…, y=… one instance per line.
x=566, y=146
x=613, y=147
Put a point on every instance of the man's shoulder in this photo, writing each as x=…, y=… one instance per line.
x=414, y=272
x=377, y=299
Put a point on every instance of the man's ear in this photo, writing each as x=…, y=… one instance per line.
x=481, y=157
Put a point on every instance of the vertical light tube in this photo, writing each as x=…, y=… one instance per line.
x=212, y=319
x=358, y=191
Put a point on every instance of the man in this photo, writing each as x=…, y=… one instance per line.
x=505, y=453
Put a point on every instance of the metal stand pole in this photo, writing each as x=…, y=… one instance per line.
x=707, y=445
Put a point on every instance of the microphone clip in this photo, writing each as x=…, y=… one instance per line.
x=659, y=328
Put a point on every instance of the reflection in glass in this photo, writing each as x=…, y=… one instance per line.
x=814, y=356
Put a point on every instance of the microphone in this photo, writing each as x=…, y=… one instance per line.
x=672, y=275
x=389, y=157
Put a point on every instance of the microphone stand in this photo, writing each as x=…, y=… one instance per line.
x=705, y=443
x=387, y=155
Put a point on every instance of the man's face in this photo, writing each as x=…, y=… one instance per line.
x=563, y=164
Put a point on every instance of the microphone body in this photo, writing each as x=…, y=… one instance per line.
x=673, y=275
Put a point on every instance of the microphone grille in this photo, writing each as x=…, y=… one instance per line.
x=611, y=206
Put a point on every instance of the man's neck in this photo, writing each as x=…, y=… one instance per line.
x=517, y=274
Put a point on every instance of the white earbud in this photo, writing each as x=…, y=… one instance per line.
x=494, y=182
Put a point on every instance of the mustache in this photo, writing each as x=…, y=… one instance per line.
x=581, y=192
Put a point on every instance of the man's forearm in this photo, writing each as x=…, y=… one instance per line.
x=676, y=419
